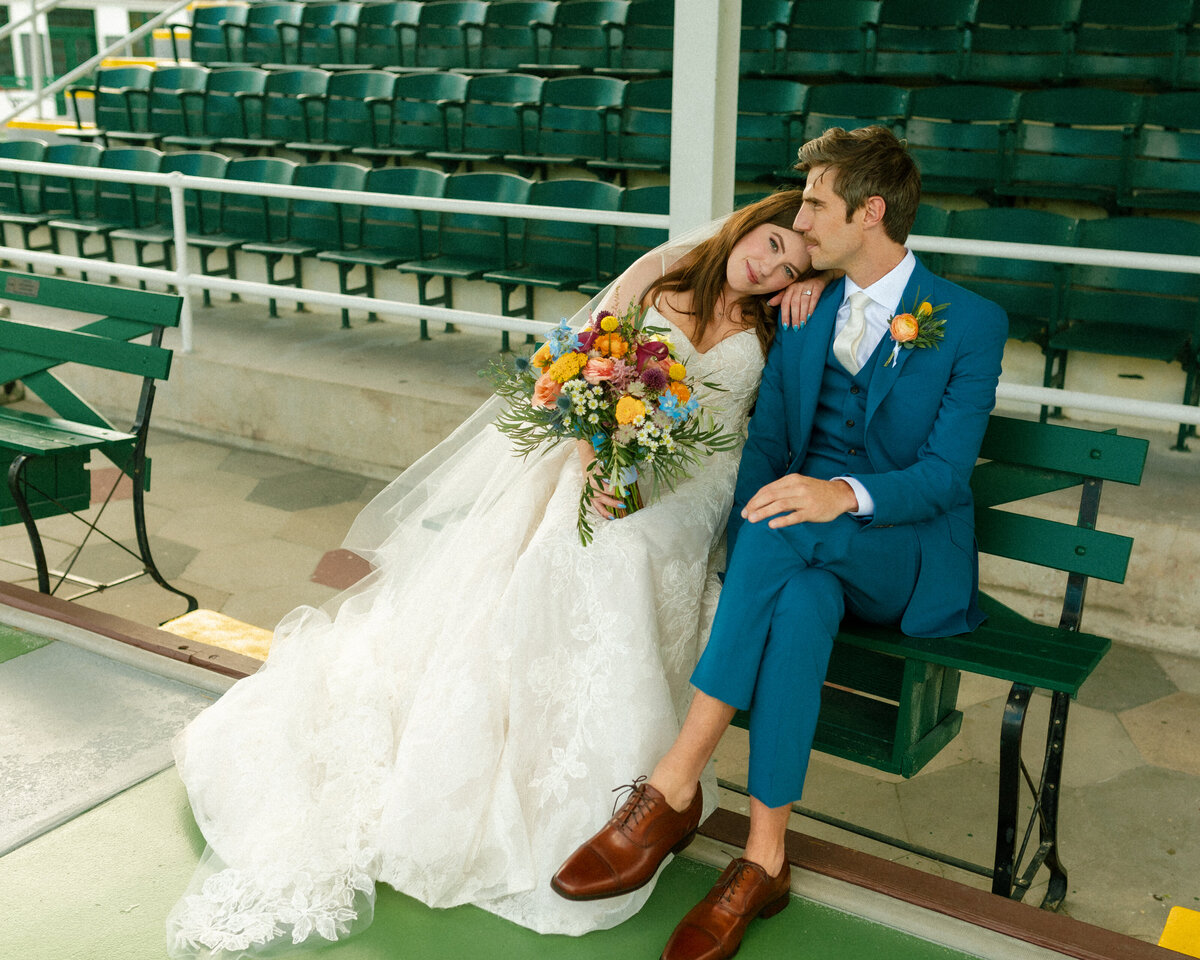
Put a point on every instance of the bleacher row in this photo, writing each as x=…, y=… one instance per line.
x=988, y=41
x=1063, y=309
x=1114, y=148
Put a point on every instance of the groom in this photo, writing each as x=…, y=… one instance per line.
x=852, y=496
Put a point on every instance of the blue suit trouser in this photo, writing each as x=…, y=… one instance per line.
x=785, y=594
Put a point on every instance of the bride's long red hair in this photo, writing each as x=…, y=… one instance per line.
x=702, y=270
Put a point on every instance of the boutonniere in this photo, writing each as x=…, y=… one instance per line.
x=916, y=328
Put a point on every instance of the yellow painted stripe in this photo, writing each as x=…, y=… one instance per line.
x=1182, y=932
x=20, y=124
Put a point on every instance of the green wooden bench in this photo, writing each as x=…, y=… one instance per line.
x=890, y=700
x=47, y=456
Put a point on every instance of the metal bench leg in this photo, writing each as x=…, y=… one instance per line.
x=1048, y=797
x=15, y=471
x=1009, y=797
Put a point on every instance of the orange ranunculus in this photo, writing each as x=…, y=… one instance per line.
x=541, y=358
x=611, y=344
x=630, y=409
x=598, y=369
x=545, y=391
x=681, y=391
x=904, y=328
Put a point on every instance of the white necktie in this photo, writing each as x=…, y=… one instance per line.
x=845, y=344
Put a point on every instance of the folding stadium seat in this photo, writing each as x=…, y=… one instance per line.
x=648, y=41
x=631, y=242
x=271, y=33
x=277, y=114
x=577, y=122
x=105, y=205
x=448, y=34
x=388, y=235
x=764, y=33
x=1163, y=168
x=61, y=197
x=386, y=34
x=853, y=105
x=922, y=39
x=955, y=133
x=1070, y=144
x=515, y=32
x=327, y=32
x=1119, y=41
x=471, y=244
x=644, y=134
x=1030, y=291
x=223, y=110
x=216, y=35
x=174, y=105
x=425, y=106
x=557, y=254
x=20, y=202
x=201, y=208
x=831, y=40
x=245, y=217
x=585, y=34
x=1149, y=314
x=119, y=96
x=931, y=221
x=498, y=118
x=354, y=111
x=770, y=126
x=1021, y=43
x=1187, y=76
x=312, y=225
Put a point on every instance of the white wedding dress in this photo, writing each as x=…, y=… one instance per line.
x=457, y=727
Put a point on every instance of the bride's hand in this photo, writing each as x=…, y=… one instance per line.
x=604, y=501
x=797, y=301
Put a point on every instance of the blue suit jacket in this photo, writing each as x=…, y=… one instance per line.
x=926, y=415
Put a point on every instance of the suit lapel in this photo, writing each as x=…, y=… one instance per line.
x=884, y=378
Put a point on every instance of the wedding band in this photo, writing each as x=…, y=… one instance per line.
x=808, y=293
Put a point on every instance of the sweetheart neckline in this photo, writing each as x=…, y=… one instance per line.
x=697, y=352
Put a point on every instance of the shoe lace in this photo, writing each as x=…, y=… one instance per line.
x=732, y=882
x=637, y=804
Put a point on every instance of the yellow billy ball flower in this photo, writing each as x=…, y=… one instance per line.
x=924, y=310
x=630, y=409
x=609, y=324
x=677, y=372
x=567, y=366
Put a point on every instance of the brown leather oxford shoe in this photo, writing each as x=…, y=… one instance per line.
x=624, y=855
x=713, y=928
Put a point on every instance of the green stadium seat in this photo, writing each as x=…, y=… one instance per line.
x=585, y=35
x=61, y=197
x=515, y=32
x=831, y=41
x=956, y=134
x=1149, y=314
x=631, y=242
x=1129, y=43
x=275, y=115
x=119, y=97
x=388, y=235
x=854, y=105
x=223, y=111
x=647, y=43
x=498, y=117
x=174, y=106
x=386, y=34
x=327, y=33
x=354, y=111
x=770, y=125
x=1070, y=144
x=764, y=34
x=271, y=34
x=921, y=39
x=449, y=34
x=20, y=202
x=1020, y=43
x=931, y=221
x=425, y=108
x=216, y=35
x=1163, y=169
x=644, y=133
x=578, y=120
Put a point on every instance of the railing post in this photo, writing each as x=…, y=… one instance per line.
x=183, y=276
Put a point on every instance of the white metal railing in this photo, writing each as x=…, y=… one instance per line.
x=186, y=281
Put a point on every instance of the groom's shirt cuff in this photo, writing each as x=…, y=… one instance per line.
x=866, y=503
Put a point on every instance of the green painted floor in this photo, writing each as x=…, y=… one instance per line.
x=99, y=887
x=14, y=642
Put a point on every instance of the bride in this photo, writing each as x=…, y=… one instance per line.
x=466, y=708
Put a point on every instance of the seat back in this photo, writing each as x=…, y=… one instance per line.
x=327, y=32
x=854, y=105
x=425, y=108
x=119, y=98
x=216, y=32
x=551, y=243
x=499, y=114
x=128, y=204
x=831, y=40
x=516, y=32
x=448, y=33
x=233, y=102
x=400, y=231
x=648, y=40
x=587, y=33
x=1023, y=43
x=69, y=195
x=1129, y=42
x=1164, y=166
x=202, y=208
x=922, y=39
x=282, y=112
x=272, y=33
x=579, y=117
x=645, y=132
x=385, y=35
x=632, y=242
x=329, y=225
x=254, y=217
x=956, y=135
x=478, y=236
x=18, y=191
x=763, y=36
x=176, y=100
x=356, y=109
x=770, y=126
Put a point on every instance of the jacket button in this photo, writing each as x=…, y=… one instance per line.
x=852, y=451
x=854, y=388
x=849, y=423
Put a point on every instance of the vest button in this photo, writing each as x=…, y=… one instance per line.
x=849, y=423
x=852, y=451
x=854, y=388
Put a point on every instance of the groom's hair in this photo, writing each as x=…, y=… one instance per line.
x=870, y=162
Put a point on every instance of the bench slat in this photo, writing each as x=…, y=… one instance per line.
x=1106, y=456
x=24, y=342
x=160, y=309
x=33, y=433
x=1048, y=543
x=994, y=483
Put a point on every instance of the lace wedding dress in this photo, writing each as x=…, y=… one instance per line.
x=456, y=728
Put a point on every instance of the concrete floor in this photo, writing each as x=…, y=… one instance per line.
x=254, y=533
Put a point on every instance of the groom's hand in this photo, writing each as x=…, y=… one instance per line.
x=798, y=499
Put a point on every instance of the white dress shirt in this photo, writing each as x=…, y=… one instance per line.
x=885, y=294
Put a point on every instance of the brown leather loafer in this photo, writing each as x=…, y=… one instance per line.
x=624, y=855
x=713, y=928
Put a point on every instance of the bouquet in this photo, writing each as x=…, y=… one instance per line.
x=620, y=386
